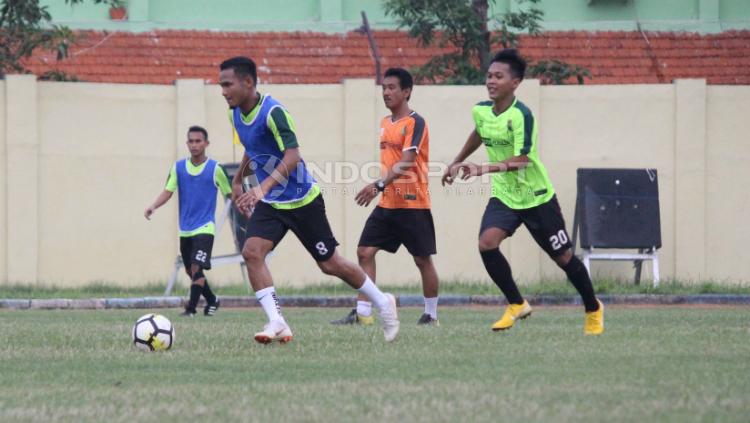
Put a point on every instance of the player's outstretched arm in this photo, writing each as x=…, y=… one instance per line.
x=162, y=198
x=401, y=167
x=222, y=182
x=246, y=202
x=368, y=193
x=237, y=179
x=237, y=185
x=281, y=173
x=469, y=170
x=471, y=145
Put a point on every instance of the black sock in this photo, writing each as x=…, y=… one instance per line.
x=195, y=295
x=208, y=294
x=499, y=269
x=580, y=279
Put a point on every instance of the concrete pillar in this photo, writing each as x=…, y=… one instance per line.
x=22, y=183
x=361, y=149
x=3, y=177
x=690, y=179
x=191, y=110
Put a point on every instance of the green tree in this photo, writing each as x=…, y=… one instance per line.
x=464, y=25
x=25, y=26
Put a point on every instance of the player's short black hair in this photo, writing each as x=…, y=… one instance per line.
x=405, y=79
x=242, y=66
x=202, y=130
x=513, y=59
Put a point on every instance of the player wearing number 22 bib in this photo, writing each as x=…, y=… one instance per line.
x=197, y=180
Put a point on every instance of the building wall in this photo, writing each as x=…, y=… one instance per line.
x=3, y=185
x=80, y=162
x=344, y=15
x=726, y=203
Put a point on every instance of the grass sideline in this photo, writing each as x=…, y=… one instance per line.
x=111, y=290
x=678, y=364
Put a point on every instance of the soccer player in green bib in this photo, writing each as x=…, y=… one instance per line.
x=521, y=192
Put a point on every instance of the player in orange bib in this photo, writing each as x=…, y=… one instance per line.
x=403, y=214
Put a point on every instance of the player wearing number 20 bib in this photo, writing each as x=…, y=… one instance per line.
x=521, y=192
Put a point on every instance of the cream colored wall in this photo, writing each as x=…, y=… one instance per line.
x=3, y=183
x=21, y=235
x=727, y=199
x=610, y=126
x=104, y=154
x=81, y=161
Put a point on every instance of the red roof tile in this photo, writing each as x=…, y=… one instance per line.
x=160, y=57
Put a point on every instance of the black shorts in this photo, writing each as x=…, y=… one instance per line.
x=387, y=229
x=196, y=250
x=309, y=223
x=545, y=223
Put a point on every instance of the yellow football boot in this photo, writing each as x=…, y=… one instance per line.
x=594, y=323
x=512, y=313
x=354, y=318
x=365, y=320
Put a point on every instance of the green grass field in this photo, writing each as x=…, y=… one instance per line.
x=447, y=287
x=653, y=364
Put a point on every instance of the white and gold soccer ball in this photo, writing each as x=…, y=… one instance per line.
x=153, y=332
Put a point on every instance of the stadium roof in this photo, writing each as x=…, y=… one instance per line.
x=160, y=57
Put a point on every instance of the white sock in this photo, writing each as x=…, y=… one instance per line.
x=270, y=303
x=364, y=308
x=430, y=306
x=369, y=290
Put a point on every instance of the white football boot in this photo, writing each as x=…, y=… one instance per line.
x=389, y=319
x=276, y=330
